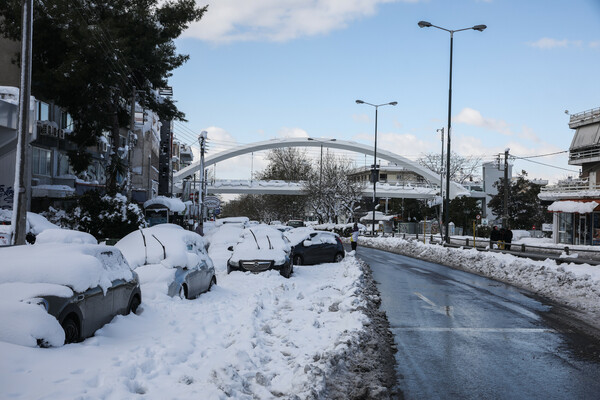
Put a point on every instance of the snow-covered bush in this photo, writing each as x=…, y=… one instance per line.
x=100, y=215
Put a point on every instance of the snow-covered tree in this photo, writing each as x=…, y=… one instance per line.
x=330, y=192
x=462, y=169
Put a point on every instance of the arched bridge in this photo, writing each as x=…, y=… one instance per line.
x=430, y=176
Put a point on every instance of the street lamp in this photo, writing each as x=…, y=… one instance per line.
x=374, y=169
x=480, y=28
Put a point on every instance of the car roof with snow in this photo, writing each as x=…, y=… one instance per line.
x=182, y=248
x=78, y=266
x=262, y=242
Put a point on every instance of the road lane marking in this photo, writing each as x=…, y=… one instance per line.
x=502, y=303
x=420, y=270
x=444, y=310
x=474, y=330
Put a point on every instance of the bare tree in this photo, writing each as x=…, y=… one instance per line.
x=462, y=168
x=330, y=191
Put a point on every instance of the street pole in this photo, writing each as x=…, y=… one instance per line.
x=202, y=139
x=19, y=215
x=480, y=28
x=447, y=198
x=374, y=169
x=442, y=186
x=506, y=187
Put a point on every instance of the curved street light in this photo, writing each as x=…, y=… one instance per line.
x=374, y=169
x=480, y=28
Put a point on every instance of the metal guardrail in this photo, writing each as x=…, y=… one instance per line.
x=571, y=187
x=584, y=115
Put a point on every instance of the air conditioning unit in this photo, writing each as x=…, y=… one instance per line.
x=61, y=133
x=53, y=131
x=43, y=128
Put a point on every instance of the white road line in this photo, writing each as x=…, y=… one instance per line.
x=444, y=310
x=420, y=270
x=475, y=330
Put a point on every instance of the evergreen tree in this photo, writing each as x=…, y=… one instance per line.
x=463, y=211
x=88, y=56
x=524, y=206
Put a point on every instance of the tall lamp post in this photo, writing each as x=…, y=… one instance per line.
x=480, y=28
x=374, y=169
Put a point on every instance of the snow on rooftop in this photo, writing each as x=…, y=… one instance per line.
x=573, y=206
x=173, y=204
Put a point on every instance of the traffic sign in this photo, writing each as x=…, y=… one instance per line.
x=478, y=216
x=212, y=202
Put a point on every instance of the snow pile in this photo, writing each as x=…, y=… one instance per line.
x=19, y=302
x=64, y=236
x=220, y=239
x=252, y=336
x=78, y=266
x=182, y=248
x=571, y=284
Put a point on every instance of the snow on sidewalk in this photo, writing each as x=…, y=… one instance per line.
x=252, y=336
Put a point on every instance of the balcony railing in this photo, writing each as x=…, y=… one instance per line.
x=575, y=185
x=583, y=117
x=584, y=154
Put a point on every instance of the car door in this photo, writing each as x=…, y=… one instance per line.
x=96, y=309
x=324, y=247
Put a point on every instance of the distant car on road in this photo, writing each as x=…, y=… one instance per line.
x=167, y=246
x=261, y=248
x=296, y=223
x=83, y=286
x=315, y=247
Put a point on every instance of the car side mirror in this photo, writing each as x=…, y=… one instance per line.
x=230, y=248
x=307, y=243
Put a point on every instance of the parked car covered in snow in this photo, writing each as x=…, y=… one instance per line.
x=261, y=248
x=52, y=294
x=172, y=258
x=315, y=247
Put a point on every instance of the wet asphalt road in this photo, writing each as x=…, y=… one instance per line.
x=461, y=336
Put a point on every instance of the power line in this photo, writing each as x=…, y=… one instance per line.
x=544, y=164
x=545, y=155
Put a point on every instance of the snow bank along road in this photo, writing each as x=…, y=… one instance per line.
x=576, y=286
x=254, y=336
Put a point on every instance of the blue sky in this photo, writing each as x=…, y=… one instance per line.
x=263, y=69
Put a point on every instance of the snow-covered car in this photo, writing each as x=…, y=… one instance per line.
x=64, y=236
x=52, y=294
x=35, y=225
x=261, y=248
x=168, y=256
x=315, y=247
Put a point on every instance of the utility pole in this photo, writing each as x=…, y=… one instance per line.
x=129, y=140
x=506, y=188
x=442, y=186
x=202, y=139
x=19, y=215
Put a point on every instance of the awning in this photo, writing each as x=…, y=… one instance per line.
x=580, y=207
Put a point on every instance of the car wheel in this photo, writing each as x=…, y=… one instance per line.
x=338, y=257
x=183, y=292
x=71, y=328
x=213, y=281
x=135, y=303
x=297, y=260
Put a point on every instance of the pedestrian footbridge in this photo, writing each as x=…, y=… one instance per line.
x=426, y=190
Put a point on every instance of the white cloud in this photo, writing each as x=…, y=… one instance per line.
x=473, y=117
x=595, y=45
x=362, y=118
x=292, y=133
x=278, y=20
x=549, y=43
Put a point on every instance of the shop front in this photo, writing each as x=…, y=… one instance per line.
x=576, y=222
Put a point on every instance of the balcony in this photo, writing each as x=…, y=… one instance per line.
x=584, y=118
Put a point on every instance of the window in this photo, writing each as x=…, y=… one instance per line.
x=41, y=161
x=66, y=122
x=43, y=111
